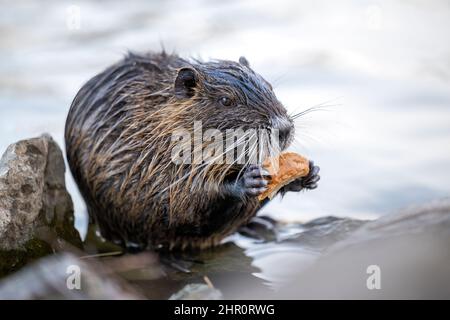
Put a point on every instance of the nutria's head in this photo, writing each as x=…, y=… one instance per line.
x=229, y=95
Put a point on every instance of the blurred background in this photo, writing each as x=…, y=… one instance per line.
x=380, y=69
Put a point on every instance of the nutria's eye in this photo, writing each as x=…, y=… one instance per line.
x=225, y=101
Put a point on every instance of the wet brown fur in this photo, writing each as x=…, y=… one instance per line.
x=118, y=142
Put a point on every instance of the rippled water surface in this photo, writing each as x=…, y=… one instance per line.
x=381, y=68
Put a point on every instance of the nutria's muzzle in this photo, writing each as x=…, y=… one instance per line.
x=285, y=128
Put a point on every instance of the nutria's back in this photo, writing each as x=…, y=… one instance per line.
x=119, y=140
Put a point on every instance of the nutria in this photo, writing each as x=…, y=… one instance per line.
x=118, y=140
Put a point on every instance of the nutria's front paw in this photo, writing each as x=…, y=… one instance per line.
x=252, y=183
x=255, y=180
x=308, y=182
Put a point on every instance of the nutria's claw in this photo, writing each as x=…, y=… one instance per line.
x=308, y=182
x=255, y=180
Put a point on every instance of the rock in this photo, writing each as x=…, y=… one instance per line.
x=36, y=211
x=197, y=291
x=55, y=277
x=403, y=255
x=316, y=234
x=320, y=233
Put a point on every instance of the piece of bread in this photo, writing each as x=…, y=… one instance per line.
x=285, y=169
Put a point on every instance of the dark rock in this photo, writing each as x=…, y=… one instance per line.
x=53, y=277
x=322, y=232
x=36, y=211
x=316, y=234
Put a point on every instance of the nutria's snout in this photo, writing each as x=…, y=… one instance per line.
x=285, y=127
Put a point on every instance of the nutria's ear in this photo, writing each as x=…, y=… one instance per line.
x=185, y=83
x=244, y=62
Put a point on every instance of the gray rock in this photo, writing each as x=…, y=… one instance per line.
x=55, y=277
x=36, y=211
x=407, y=251
x=320, y=233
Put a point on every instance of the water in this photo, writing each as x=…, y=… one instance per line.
x=382, y=68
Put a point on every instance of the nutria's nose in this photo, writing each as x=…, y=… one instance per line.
x=285, y=133
x=284, y=127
